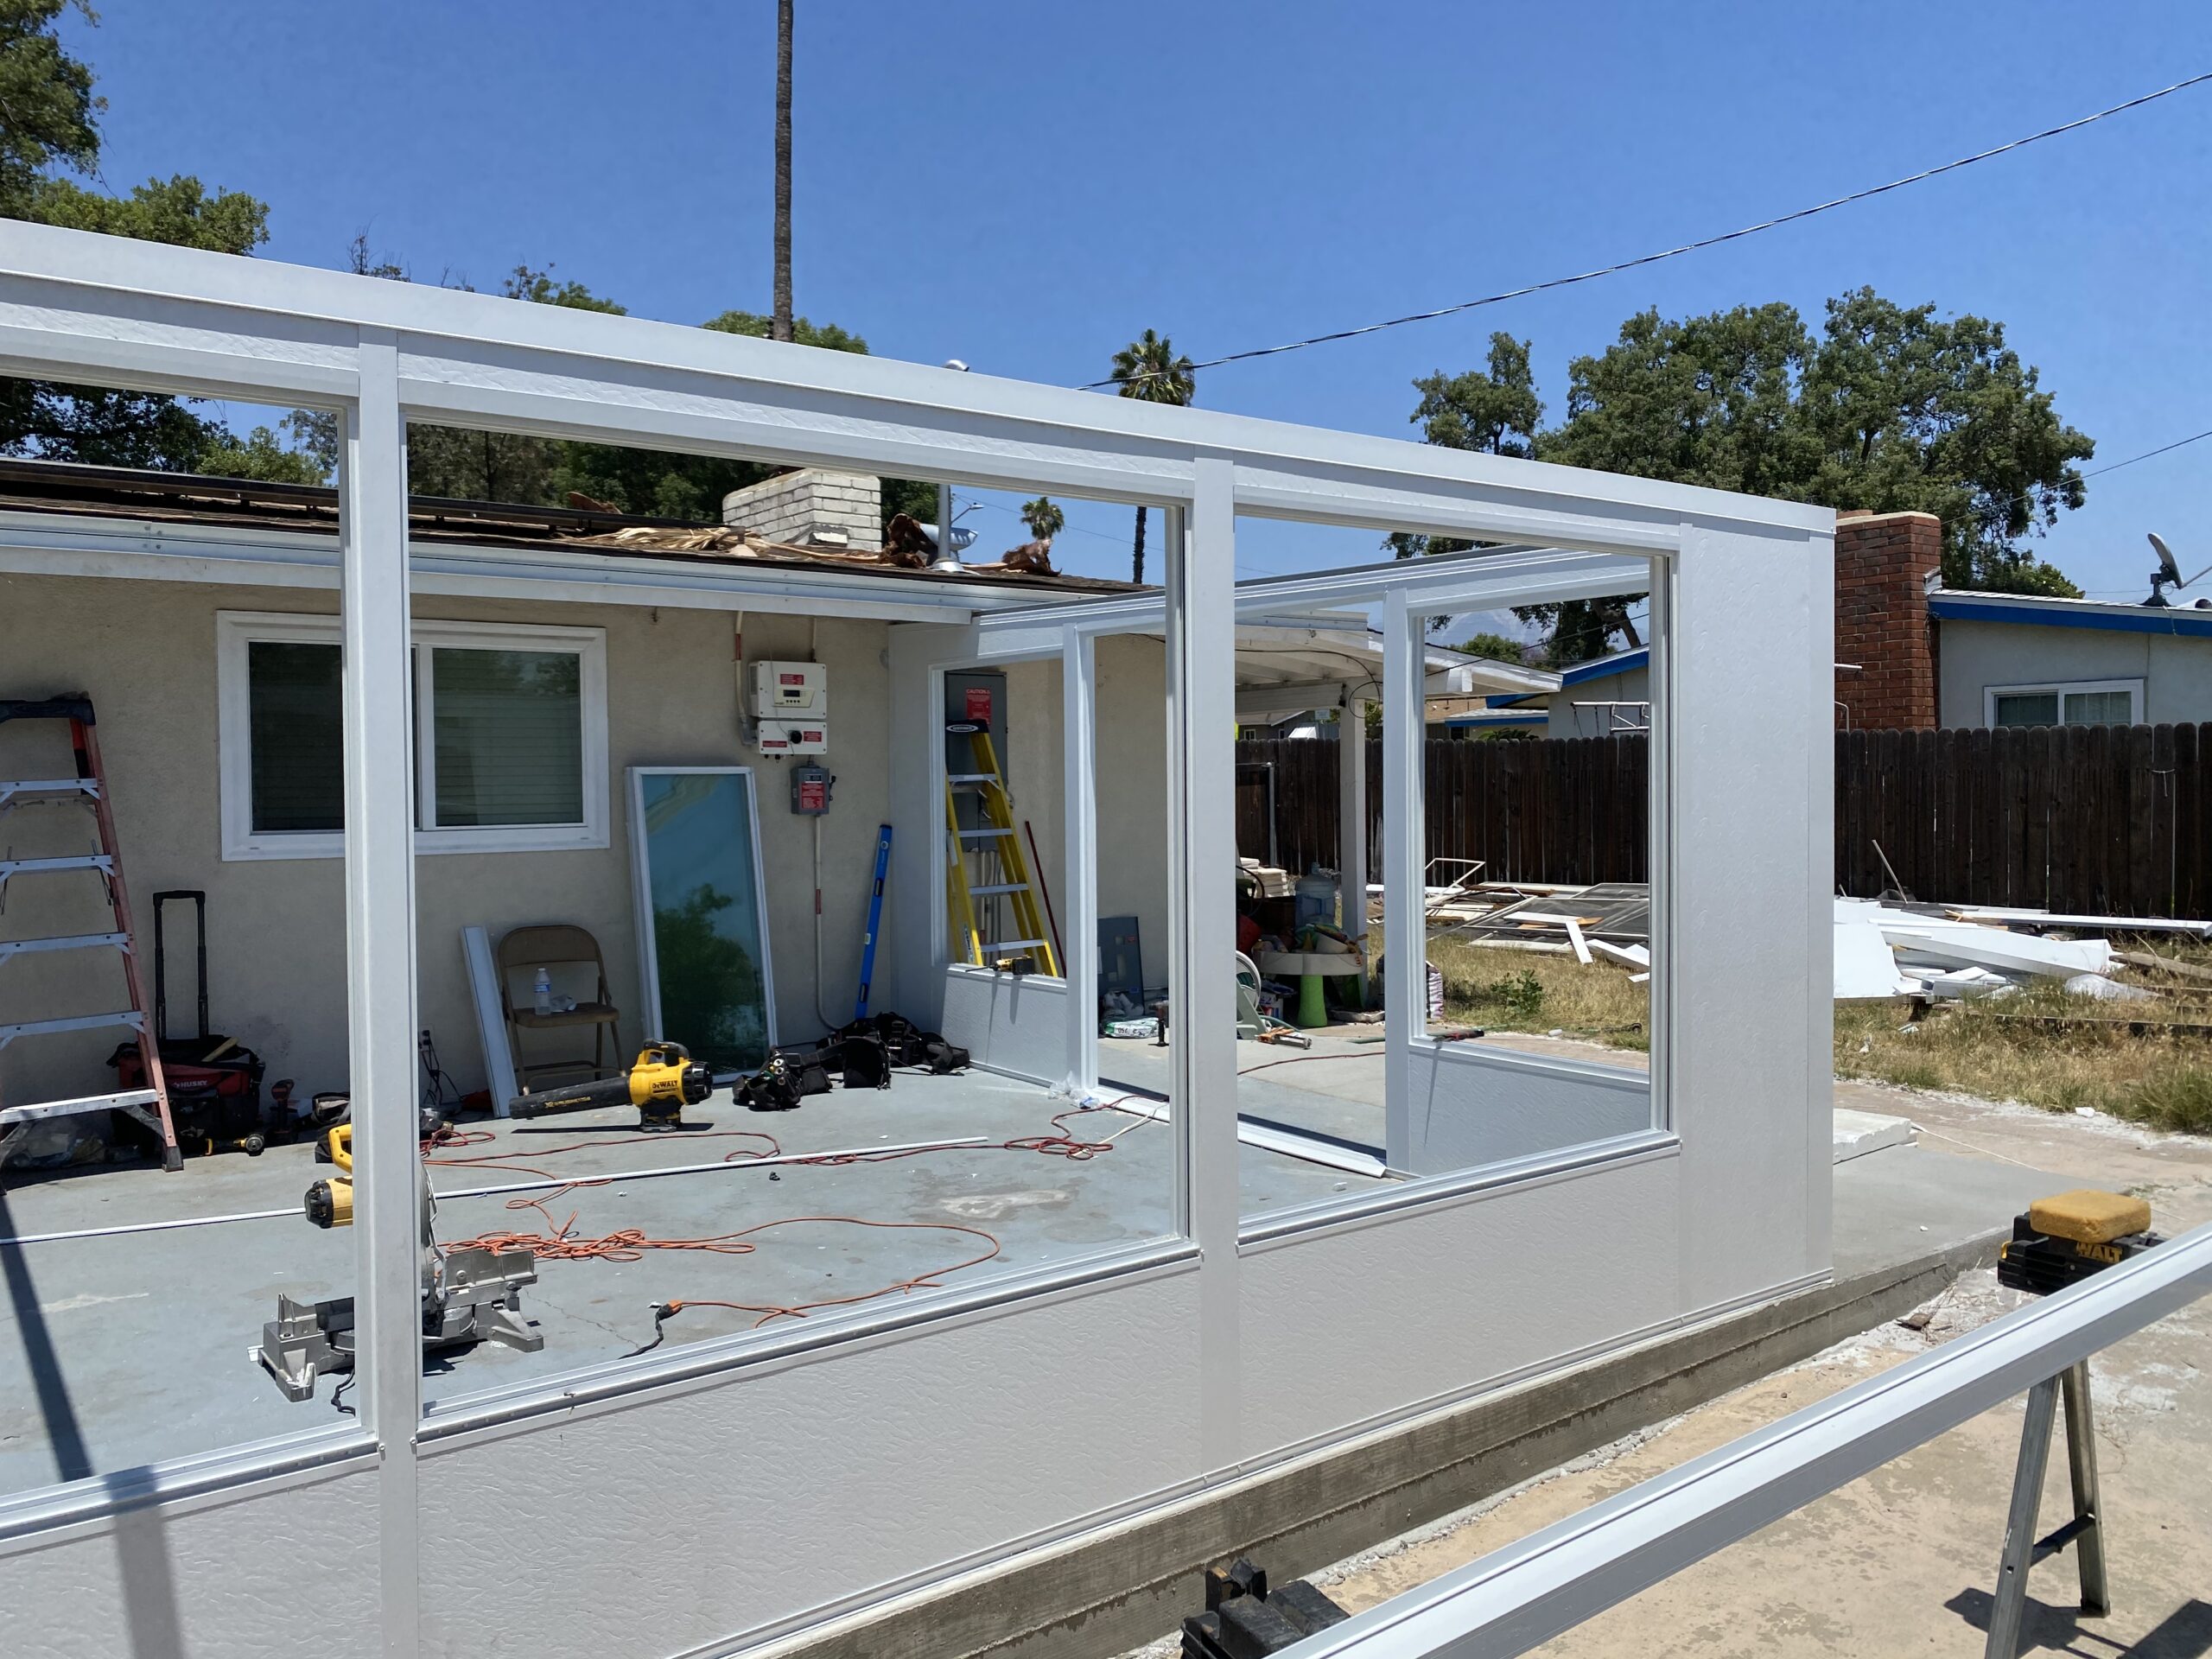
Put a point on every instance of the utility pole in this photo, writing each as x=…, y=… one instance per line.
x=780, y=328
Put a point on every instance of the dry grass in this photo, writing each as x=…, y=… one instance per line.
x=1534, y=990
x=2036, y=1046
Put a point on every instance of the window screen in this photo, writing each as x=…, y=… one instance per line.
x=299, y=781
x=509, y=736
x=2027, y=709
x=2097, y=709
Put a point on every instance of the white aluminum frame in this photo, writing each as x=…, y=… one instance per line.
x=236, y=630
x=2134, y=688
x=1521, y=1596
x=641, y=897
x=92, y=309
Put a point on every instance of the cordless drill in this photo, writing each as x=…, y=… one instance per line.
x=660, y=1085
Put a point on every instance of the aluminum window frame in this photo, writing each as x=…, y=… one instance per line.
x=237, y=631
x=93, y=309
x=2135, y=689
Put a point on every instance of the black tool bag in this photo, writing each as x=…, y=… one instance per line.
x=907, y=1044
x=861, y=1059
x=781, y=1085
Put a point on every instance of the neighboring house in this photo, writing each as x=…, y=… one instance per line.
x=2015, y=659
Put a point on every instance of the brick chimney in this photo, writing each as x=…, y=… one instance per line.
x=1883, y=564
x=812, y=508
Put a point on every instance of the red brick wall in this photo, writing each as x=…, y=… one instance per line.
x=1882, y=565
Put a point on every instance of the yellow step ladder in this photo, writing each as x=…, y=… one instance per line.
x=995, y=846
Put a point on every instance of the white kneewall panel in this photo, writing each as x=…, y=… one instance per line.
x=1473, y=1105
x=1011, y=1023
x=1753, y=850
x=749, y=1504
x=1358, y=1324
x=258, y=1573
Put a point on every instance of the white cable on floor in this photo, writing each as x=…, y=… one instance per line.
x=295, y=1211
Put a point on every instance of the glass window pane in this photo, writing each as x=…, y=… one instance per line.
x=509, y=735
x=2027, y=709
x=710, y=957
x=2097, y=709
x=298, y=764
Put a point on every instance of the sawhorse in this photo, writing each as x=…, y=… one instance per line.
x=2022, y=1550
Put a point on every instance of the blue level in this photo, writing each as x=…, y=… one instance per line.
x=875, y=920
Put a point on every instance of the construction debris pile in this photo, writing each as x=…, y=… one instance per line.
x=1888, y=948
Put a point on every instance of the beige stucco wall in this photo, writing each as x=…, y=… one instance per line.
x=145, y=651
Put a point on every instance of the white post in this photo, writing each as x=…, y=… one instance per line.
x=380, y=964
x=1079, y=867
x=1201, y=611
x=1351, y=814
x=1405, y=943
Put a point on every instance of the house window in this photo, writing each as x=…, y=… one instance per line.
x=2083, y=702
x=509, y=737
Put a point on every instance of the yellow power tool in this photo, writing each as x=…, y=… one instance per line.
x=330, y=1204
x=660, y=1085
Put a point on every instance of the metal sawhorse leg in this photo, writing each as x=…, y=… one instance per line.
x=2085, y=1531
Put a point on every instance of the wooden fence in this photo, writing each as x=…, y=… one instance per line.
x=2104, y=819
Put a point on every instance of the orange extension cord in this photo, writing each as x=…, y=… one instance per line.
x=560, y=1242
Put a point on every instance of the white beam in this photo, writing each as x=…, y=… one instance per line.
x=1079, y=864
x=380, y=967
x=1521, y=1596
x=1351, y=816
x=120, y=312
x=1405, y=980
x=1202, y=910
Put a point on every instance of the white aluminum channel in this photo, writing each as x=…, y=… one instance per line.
x=137, y=314
x=380, y=965
x=1518, y=1598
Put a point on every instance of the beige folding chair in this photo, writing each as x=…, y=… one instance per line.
x=520, y=955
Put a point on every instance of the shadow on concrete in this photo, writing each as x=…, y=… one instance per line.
x=2184, y=1633
x=72, y=1460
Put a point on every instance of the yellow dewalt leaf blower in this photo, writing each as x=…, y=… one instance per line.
x=660, y=1085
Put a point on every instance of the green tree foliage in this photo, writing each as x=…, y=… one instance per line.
x=49, y=130
x=263, y=456
x=1044, y=518
x=1494, y=409
x=1496, y=646
x=1149, y=370
x=1887, y=408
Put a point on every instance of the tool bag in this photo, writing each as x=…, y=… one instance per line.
x=907, y=1044
x=781, y=1085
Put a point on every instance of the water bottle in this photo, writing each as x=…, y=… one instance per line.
x=545, y=993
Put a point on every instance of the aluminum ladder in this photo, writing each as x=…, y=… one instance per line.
x=150, y=1106
x=995, y=845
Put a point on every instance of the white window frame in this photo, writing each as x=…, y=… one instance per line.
x=236, y=630
x=2133, y=688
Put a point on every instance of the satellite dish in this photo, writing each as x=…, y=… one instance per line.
x=2167, y=574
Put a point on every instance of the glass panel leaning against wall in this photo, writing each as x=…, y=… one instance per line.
x=147, y=1305
x=1517, y=799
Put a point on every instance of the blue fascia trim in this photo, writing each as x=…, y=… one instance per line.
x=2185, y=623
x=1597, y=670
x=1540, y=718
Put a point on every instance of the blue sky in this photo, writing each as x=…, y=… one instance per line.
x=1026, y=187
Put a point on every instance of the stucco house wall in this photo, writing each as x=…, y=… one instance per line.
x=2175, y=670
x=145, y=651
x=1629, y=685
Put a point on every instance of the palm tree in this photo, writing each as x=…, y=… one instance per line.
x=1148, y=369
x=780, y=328
x=1044, y=518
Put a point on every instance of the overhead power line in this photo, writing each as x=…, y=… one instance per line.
x=1687, y=247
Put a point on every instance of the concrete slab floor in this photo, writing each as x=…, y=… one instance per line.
x=121, y=1350
x=1903, y=1560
